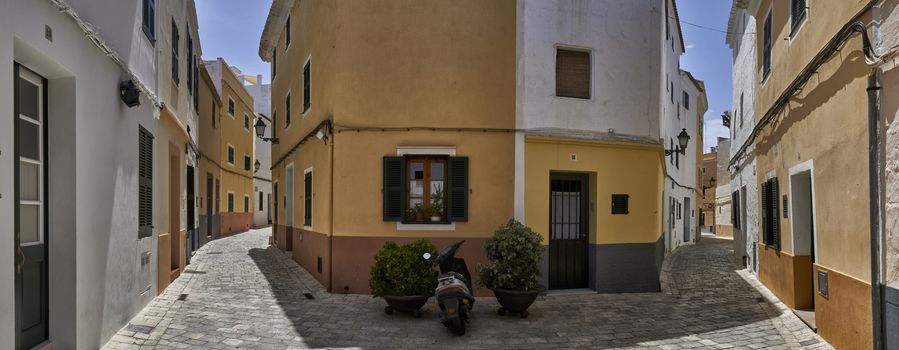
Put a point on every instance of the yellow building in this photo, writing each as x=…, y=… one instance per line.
x=354, y=119
x=230, y=155
x=210, y=171
x=386, y=133
x=811, y=143
x=175, y=141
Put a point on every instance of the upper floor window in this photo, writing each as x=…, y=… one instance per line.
x=149, y=19
x=766, y=46
x=287, y=111
x=246, y=162
x=230, y=154
x=307, y=85
x=246, y=122
x=686, y=101
x=274, y=63
x=572, y=73
x=798, y=12
x=741, y=109
x=230, y=106
x=175, y=38
x=287, y=34
x=190, y=63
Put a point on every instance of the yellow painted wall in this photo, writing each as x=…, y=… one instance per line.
x=456, y=69
x=615, y=168
x=234, y=177
x=210, y=141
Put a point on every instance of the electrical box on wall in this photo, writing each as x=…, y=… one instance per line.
x=822, y=283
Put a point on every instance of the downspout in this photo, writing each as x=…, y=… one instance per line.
x=875, y=210
x=331, y=213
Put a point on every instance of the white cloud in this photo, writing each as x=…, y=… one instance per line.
x=690, y=46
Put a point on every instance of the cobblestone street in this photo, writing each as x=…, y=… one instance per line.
x=241, y=293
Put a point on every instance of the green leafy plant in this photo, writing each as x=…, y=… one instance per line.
x=515, y=252
x=401, y=270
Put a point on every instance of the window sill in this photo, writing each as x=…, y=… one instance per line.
x=426, y=226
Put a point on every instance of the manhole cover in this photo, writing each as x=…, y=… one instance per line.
x=182, y=297
x=139, y=328
x=308, y=296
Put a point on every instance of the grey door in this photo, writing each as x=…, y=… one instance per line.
x=209, y=204
x=30, y=195
x=568, y=231
x=686, y=215
x=193, y=242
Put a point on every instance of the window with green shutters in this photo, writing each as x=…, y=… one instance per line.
x=175, y=38
x=770, y=214
x=307, y=199
x=417, y=188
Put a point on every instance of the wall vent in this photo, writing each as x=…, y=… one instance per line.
x=822, y=283
x=319, y=264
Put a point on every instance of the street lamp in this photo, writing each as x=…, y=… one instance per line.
x=257, y=165
x=683, y=139
x=260, y=132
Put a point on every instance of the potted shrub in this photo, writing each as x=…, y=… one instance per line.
x=403, y=277
x=435, y=211
x=515, y=252
x=417, y=212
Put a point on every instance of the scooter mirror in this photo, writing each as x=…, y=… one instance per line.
x=426, y=255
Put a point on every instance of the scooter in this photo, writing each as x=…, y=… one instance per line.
x=454, y=292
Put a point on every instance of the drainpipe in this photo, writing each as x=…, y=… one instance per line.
x=875, y=210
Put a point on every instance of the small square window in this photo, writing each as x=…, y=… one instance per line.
x=620, y=204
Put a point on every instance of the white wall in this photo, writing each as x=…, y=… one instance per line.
x=94, y=252
x=622, y=37
x=743, y=177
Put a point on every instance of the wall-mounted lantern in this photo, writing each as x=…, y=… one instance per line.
x=683, y=139
x=129, y=93
x=256, y=166
x=260, y=132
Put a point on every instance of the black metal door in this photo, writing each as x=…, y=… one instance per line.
x=686, y=215
x=568, y=222
x=30, y=210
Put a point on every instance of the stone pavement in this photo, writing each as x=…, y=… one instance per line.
x=241, y=293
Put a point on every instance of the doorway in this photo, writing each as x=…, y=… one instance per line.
x=288, y=209
x=208, y=205
x=175, y=238
x=30, y=210
x=568, y=221
x=192, y=237
x=685, y=214
x=803, y=230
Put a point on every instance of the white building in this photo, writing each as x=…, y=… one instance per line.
x=78, y=227
x=743, y=188
x=262, y=179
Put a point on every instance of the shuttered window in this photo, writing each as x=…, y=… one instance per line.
x=175, y=38
x=190, y=63
x=287, y=34
x=246, y=162
x=287, y=111
x=246, y=204
x=572, y=73
x=260, y=201
x=797, y=14
x=620, y=204
x=770, y=214
x=145, y=183
x=149, y=19
x=766, y=47
x=230, y=202
x=307, y=86
x=735, y=209
x=230, y=155
x=307, y=199
x=417, y=188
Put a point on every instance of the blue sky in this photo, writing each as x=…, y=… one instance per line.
x=231, y=29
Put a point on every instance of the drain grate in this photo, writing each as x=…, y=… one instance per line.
x=195, y=272
x=308, y=295
x=139, y=328
x=182, y=297
x=210, y=253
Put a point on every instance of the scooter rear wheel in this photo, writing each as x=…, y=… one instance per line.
x=459, y=326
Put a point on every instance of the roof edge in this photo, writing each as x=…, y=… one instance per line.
x=277, y=17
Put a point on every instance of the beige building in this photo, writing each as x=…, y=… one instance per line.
x=709, y=179
x=235, y=157
x=723, y=203
x=175, y=141
x=811, y=100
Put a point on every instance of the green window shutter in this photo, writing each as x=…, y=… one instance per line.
x=145, y=184
x=394, y=188
x=764, y=212
x=458, y=189
x=307, y=199
x=774, y=215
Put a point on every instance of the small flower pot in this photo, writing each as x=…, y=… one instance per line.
x=435, y=219
x=515, y=301
x=407, y=304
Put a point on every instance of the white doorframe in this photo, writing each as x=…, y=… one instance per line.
x=803, y=167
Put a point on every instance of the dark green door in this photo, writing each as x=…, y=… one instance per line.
x=30, y=210
x=568, y=223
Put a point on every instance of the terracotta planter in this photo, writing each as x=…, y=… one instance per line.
x=408, y=304
x=516, y=301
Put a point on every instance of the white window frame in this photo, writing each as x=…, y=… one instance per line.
x=229, y=194
x=590, y=51
x=233, y=151
x=761, y=30
x=793, y=35
x=33, y=78
x=287, y=97
x=231, y=102
x=245, y=156
x=809, y=166
x=425, y=150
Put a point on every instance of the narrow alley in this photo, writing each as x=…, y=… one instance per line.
x=241, y=293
